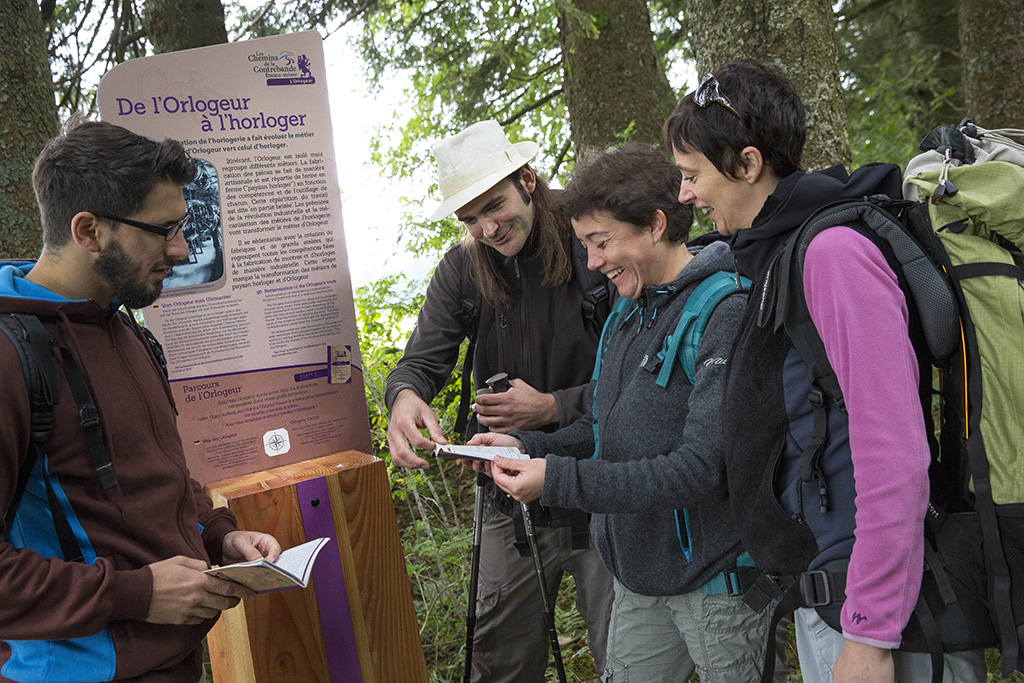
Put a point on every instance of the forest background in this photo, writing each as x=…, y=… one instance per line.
x=876, y=75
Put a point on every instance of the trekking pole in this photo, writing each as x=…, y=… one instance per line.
x=474, y=572
x=474, y=562
x=499, y=383
x=549, y=608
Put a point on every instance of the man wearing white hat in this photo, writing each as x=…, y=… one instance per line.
x=537, y=317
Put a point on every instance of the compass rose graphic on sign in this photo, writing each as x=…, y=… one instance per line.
x=276, y=442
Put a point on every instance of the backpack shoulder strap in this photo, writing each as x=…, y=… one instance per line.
x=148, y=338
x=596, y=299
x=697, y=310
x=618, y=311
x=684, y=340
x=884, y=221
x=881, y=220
x=42, y=381
x=471, y=302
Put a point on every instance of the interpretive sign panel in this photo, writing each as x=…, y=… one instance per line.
x=258, y=323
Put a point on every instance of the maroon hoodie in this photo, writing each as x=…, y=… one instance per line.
x=154, y=513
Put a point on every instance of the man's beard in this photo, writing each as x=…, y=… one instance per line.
x=125, y=278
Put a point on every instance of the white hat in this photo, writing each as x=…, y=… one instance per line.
x=473, y=161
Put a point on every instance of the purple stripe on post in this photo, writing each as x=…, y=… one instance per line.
x=329, y=582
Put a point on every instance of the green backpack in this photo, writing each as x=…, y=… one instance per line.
x=981, y=228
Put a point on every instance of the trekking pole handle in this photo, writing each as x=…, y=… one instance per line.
x=499, y=382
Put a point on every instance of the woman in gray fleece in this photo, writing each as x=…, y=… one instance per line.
x=646, y=460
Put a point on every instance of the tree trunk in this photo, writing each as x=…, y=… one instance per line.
x=614, y=87
x=992, y=51
x=28, y=118
x=183, y=24
x=796, y=35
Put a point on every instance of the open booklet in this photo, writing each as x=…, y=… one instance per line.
x=290, y=570
x=478, y=452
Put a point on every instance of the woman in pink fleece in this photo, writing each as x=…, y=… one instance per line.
x=738, y=140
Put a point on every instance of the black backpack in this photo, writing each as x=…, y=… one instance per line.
x=38, y=352
x=972, y=591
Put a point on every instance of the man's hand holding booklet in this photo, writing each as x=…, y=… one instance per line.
x=290, y=570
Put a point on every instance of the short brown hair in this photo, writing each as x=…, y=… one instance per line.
x=630, y=184
x=104, y=169
x=769, y=116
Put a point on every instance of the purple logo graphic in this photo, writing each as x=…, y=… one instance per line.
x=285, y=68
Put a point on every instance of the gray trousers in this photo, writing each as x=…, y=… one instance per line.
x=660, y=639
x=819, y=645
x=511, y=644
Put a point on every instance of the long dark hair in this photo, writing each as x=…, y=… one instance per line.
x=549, y=239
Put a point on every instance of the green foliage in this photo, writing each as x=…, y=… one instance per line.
x=437, y=541
x=469, y=61
x=993, y=663
x=892, y=86
x=882, y=112
x=671, y=33
x=500, y=59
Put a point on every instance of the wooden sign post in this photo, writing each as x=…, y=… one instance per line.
x=356, y=621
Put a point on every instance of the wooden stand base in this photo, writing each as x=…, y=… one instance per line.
x=356, y=621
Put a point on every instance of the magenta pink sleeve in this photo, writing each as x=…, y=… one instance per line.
x=861, y=314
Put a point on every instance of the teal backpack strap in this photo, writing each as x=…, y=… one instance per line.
x=613, y=318
x=683, y=342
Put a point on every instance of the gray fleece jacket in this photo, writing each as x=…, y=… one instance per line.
x=660, y=448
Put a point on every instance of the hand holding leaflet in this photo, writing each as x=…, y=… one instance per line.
x=291, y=570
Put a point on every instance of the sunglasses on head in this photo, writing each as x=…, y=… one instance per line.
x=709, y=91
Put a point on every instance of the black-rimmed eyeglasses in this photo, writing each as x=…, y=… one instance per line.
x=168, y=232
x=708, y=91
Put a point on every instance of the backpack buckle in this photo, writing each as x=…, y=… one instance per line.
x=89, y=416
x=766, y=588
x=739, y=579
x=815, y=588
x=106, y=474
x=816, y=397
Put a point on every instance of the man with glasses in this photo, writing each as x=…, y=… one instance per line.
x=134, y=603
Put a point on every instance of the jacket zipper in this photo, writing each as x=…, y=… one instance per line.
x=524, y=323
x=146, y=401
x=622, y=372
